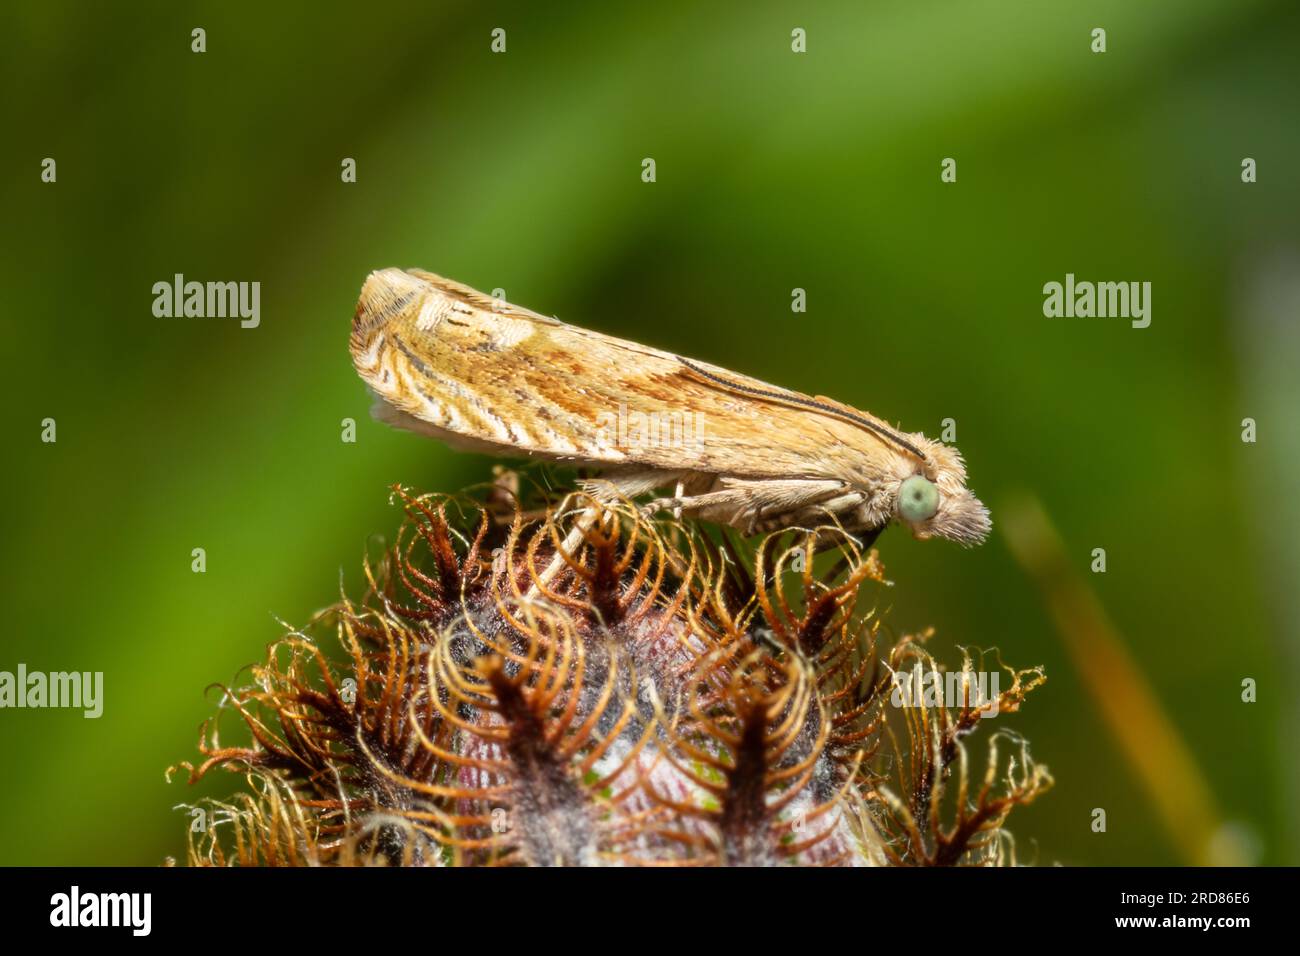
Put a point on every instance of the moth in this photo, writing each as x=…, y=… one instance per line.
x=481, y=374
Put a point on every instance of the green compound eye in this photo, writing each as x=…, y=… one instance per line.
x=918, y=499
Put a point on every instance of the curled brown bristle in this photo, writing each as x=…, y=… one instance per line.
x=658, y=696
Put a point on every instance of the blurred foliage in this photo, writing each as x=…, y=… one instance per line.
x=522, y=171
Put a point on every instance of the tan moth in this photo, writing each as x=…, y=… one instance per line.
x=483, y=375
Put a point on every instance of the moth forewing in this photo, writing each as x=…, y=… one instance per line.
x=450, y=362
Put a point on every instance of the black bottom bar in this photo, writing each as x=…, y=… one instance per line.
x=656, y=908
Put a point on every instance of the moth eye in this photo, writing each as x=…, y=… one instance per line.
x=918, y=499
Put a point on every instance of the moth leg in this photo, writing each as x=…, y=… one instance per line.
x=780, y=503
x=726, y=498
x=681, y=490
x=572, y=540
x=629, y=483
x=865, y=538
x=832, y=506
x=868, y=537
x=742, y=503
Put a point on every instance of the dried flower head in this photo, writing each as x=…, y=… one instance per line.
x=664, y=699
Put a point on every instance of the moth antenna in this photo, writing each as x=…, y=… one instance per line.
x=845, y=414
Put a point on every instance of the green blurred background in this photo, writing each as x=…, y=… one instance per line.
x=775, y=170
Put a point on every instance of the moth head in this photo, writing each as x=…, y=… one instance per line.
x=932, y=498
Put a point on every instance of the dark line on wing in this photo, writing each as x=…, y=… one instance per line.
x=882, y=432
x=413, y=358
